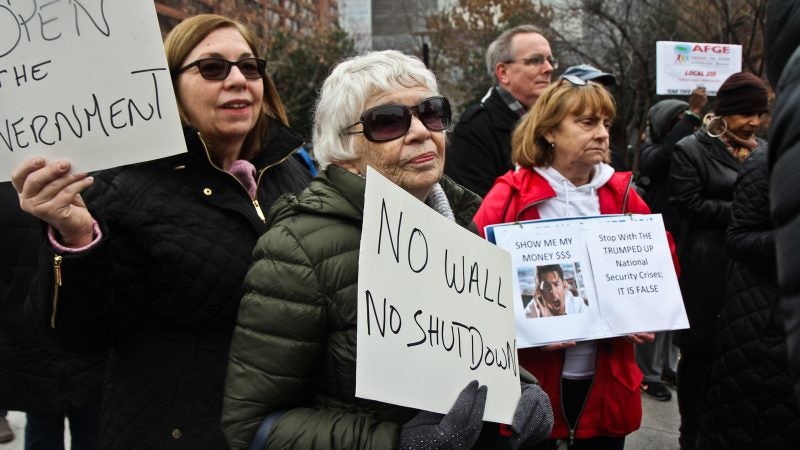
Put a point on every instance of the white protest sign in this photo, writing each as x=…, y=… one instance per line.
x=85, y=81
x=591, y=278
x=683, y=66
x=635, y=276
x=434, y=308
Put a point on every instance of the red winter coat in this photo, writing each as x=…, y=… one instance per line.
x=614, y=406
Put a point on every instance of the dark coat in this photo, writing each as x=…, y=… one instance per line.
x=750, y=400
x=783, y=35
x=162, y=287
x=656, y=154
x=34, y=378
x=702, y=176
x=479, y=147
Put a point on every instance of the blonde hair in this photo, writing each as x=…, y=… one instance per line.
x=529, y=148
x=187, y=35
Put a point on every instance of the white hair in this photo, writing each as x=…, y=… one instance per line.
x=346, y=91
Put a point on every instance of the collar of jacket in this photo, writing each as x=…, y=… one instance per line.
x=534, y=189
x=717, y=149
x=337, y=191
x=504, y=117
x=279, y=144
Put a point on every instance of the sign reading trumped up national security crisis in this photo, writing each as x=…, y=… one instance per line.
x=434, y=308
x=585, y=278
x=86, y=81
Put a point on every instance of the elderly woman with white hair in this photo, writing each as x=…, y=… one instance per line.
x=291, y=377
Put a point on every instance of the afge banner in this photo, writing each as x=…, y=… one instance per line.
x=683, y=66
x=85, y=81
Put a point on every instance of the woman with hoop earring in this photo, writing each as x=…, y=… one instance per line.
x=702, y=176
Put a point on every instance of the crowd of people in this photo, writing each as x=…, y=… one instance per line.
x=208, y=300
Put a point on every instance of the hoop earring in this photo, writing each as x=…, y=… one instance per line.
x=710, y=125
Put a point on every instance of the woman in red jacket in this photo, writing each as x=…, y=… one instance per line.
x=561, y=149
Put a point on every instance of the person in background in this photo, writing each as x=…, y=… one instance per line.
x=293, y=356
x=147, y=261
x=782, y=54
x=521, y=63
x=750, y=401
x=669, y=121
x=562, y=149
x=49, y=384
x=702, y=175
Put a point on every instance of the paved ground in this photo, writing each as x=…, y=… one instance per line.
x=659, y=429
x=660, y=422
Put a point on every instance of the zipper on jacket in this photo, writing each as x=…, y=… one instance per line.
x=572, y=429
x=56, y=284
x=625, y=197
x=259, y=211
x=256, y=205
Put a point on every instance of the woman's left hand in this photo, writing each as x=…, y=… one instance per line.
x=640, y=338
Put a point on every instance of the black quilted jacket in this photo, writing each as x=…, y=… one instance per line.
x=702, y=176
x=33, y=377
x=162, y=288
x=750, y=400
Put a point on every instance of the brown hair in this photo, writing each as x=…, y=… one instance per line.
x=529, y=148
x=185, y=37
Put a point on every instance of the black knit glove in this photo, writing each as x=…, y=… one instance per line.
x=533, y=418
x=457, y=430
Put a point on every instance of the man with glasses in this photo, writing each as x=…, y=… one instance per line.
x=479, y=148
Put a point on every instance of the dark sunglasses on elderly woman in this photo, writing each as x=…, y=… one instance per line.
x=219, y=69
x=388, y=122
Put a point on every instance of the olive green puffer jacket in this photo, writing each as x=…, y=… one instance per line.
x=294, y=346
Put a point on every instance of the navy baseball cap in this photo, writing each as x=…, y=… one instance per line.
x=591, y=73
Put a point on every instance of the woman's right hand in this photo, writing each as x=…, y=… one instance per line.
x=459, y=429
x=51, y=193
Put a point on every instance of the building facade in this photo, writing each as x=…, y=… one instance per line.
x=295, y=16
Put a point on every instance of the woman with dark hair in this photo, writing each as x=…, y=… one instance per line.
x=148, y=260
x=702, y=176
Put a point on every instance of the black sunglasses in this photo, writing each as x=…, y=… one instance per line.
x=219, y=68
x=388, y=122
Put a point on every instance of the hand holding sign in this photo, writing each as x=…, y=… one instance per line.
x=51, y=193
x=458, y=429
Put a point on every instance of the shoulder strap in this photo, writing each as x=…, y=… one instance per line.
x=264, y=430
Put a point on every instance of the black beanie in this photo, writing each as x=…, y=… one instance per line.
x=742, y=93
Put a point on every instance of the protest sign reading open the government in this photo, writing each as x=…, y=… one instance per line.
x=86, y=81
x=434, y=308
